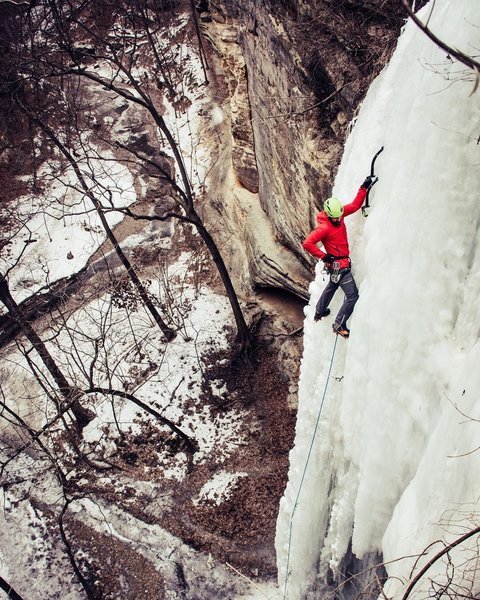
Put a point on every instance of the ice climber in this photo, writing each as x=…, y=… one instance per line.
x=331, y=232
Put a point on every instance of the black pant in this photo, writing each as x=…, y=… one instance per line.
x=349, y=287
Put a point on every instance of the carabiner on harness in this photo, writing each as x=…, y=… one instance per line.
x=335, y=272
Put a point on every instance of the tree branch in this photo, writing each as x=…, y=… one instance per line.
x=190, y=445
x=4, y=585
x=460, y=56
x=84, y=583
x=437, y=557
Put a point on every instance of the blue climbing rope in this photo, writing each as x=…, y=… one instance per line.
x=287, y=574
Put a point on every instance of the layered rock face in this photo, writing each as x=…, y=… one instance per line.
x=293, y=73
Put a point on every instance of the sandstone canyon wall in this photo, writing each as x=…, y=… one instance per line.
x=289, y=76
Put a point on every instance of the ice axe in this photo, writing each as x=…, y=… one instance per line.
x=374, y=181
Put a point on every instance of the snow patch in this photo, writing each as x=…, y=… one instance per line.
x=218, y=489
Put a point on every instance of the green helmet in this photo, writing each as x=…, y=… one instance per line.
x=333, y=208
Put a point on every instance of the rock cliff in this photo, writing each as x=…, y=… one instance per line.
x=290, y=76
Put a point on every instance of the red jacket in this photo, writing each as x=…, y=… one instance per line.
x=334, y=238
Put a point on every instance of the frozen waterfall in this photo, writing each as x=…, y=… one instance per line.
x=393, y=465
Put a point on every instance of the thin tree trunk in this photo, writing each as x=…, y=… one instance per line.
x=190, y=443
x=70, y=394
x=8, y=589
x=166, y=330
x=203, y=58
x=83, y=582
x=243, y=333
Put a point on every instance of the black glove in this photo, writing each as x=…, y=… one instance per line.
x=369, y=181
x=328, y=258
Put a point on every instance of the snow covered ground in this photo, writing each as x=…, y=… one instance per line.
x=177, y=394
x=394, y=463
x=112, y=347
x=56, y=232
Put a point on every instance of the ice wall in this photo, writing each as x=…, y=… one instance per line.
x=392, y=464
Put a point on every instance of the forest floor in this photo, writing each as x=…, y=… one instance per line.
x=234, y=530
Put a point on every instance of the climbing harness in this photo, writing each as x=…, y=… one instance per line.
x=333, y=269
x=335, y=274
x=374, y=181
x=287, y=574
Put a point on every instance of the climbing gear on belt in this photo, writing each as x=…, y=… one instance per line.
x=333, y=268
x=336, y=273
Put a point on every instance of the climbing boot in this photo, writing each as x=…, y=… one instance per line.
x=341, y=330
x=317, y=317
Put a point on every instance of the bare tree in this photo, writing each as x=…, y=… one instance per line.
x=463, y=58
x=94, y=361
x=167, y=331
x=70, y=394
x=452, y=585
x=63, y=25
